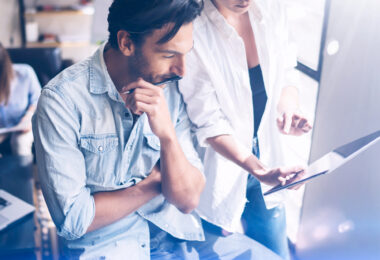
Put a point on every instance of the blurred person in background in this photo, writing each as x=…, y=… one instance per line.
x=19, y=93
x=240, y=91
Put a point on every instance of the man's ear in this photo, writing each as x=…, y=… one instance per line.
x=126, y=45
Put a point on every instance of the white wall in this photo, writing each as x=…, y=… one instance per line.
x=100, y=24
x=9, y=23
x=81, y=25
x=305, y=20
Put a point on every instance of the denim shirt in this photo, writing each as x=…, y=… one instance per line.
x=86, y=142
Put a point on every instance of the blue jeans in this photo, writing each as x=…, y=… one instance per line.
x=266, y=226
x=234, y=246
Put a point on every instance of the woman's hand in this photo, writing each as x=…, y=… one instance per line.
x=293, y=123
x=280, y=176
x=291, y=120
x=25, y=124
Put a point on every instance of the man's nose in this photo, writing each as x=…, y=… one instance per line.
x=179, y=68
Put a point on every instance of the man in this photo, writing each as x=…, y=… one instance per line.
x=111, y=145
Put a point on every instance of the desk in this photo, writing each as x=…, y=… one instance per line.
x=16, y=177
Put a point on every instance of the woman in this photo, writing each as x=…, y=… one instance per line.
x=19, y=92
x=238, y=77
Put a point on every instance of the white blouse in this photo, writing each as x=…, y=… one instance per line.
x=217, y=92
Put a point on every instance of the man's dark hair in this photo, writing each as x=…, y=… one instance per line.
x=141, y=17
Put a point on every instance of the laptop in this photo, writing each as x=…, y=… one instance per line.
x=12, y=209
x=333, y=160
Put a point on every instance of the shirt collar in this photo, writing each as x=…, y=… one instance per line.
x=100, y=80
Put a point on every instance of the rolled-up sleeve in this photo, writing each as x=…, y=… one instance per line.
x=201, y=100
x=61, y=165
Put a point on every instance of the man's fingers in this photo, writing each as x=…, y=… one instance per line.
x=144, y=91
x=139, y=83
x=130, y=87
x=134, y=109
x=140, y=104
x=144, y=108
x=144, y=98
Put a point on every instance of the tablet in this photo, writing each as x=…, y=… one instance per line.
x=333, y=160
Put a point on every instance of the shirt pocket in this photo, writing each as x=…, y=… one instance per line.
x=147, y=156
x=152, y=141
x=151, y=152
x=101, y=158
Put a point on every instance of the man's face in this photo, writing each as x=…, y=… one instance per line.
x=236, y=6
x=157, y=62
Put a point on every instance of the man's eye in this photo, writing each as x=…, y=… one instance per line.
x=169, y=56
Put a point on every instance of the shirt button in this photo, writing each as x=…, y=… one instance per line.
x=100, y=148
x=126, y=115
x=143, y=245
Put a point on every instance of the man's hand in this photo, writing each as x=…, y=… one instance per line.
x=293, y=123
x=144, y=97
x=282, y=176
x=111, y=206
x=182, y=183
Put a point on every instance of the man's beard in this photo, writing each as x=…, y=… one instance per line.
x=139, y=67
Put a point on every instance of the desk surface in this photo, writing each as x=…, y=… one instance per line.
x=16, y=177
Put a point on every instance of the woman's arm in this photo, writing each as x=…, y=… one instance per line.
x=25, y=124
x=227, y=146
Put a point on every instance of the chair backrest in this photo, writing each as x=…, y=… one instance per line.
x=46, y=62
